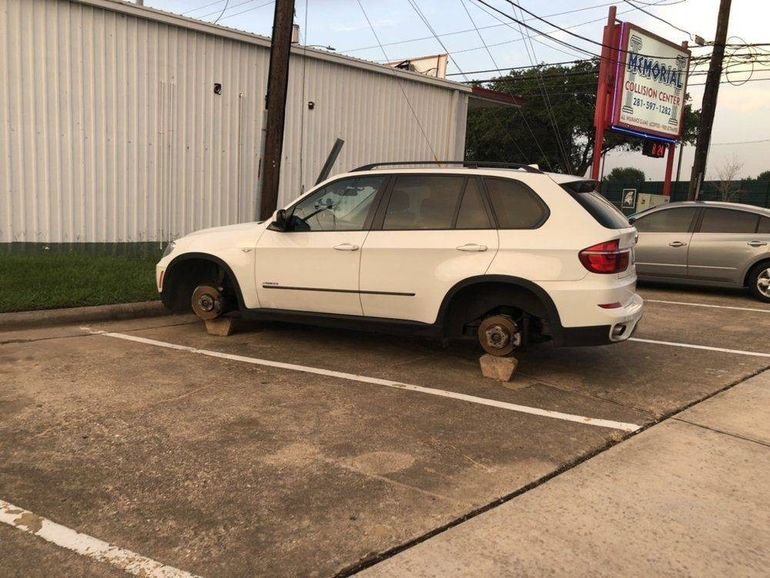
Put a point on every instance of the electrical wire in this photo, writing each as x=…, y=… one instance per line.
x=221, y=13
x=191, y=10
x=567, y=31
x=248, y=10
x=565, y=161
x=674, y=26
x=427, y=23
x=521, y=35
x=518, y=109
x=400, y=82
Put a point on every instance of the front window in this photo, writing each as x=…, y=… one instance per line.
x=343, y=205
x=666, y=221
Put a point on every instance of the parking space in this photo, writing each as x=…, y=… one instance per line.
x=297, y=450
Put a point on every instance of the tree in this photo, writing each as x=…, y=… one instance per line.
x=727, y=186
x=764, y=176
x=625, y=175
x=527, y=135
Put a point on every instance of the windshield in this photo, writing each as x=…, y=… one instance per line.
x=604, y=212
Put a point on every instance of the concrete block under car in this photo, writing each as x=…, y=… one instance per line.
x=221, y=327
x=499, y=368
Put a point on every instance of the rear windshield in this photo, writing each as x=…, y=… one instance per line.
x=605, y=213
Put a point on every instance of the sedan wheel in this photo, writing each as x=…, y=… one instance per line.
x=759, y=282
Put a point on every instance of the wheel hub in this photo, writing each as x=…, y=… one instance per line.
x=207, y=302
x=499, y=335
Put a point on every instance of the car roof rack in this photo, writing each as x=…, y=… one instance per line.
x=465, y=164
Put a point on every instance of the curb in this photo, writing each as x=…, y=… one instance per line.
x=71, y=315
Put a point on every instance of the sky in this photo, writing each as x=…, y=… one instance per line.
x=743, y=114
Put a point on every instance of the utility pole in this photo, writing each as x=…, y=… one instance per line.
x=708, y=107
x=277, y=84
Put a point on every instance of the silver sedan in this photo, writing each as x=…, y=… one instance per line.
x=705, y=243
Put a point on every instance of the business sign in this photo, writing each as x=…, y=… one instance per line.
x=628, y=200
x=650, y=84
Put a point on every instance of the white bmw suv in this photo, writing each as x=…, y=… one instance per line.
x=506, y=254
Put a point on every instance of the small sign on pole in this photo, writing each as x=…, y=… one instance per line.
x=628, y=200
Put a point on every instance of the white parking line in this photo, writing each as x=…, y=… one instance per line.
x=705, y=347
x=754, y=310
x=86, y=545
x=629, y=427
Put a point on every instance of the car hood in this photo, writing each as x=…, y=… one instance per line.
x=251, y=226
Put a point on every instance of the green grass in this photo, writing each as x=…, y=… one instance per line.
x=47, y=280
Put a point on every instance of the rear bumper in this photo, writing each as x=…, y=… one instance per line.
x=620, y=325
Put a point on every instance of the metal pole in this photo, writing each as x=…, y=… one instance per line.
x=679, y=160
x=602, y=90
x=709, y=104
x=669, y=169
x=330, y=160
x=277, y=84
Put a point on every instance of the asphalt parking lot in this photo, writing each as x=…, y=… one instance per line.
x=287, y=450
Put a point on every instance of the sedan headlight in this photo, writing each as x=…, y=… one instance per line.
x=169, y=248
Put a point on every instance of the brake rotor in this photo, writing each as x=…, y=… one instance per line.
x=499, y=335
x=207, y=302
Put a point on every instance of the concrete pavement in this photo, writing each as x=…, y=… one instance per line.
x=687, y=497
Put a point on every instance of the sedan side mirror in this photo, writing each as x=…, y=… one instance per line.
x=281, y=221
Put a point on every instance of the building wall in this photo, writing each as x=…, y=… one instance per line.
x=110, y=130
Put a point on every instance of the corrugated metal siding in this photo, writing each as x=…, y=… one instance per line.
x=110, y=129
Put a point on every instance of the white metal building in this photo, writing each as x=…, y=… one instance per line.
x=111, y=129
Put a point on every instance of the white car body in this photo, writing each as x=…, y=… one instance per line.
x=409, y=277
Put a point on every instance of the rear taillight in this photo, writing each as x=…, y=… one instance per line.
x=605, y=258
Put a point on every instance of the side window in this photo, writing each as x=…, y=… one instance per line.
x=423, y=202
x=516, y=206
x=666, y=221
x=340, y=206
x=472, y=213
x=728, y=221
x=764, y=226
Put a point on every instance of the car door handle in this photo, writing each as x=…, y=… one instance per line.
x=472, y=247
x=676, y=244
x=757, y=243
x=346, y=247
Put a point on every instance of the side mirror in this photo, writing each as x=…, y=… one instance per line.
x=281, y=221
x=631, y=220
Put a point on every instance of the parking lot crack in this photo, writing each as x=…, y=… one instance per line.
x=591, y=396
x=722, y=432
x=351, y=468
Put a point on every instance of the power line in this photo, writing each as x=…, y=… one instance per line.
x=521, y=35
x=521, y=114
x=248, y=10
x=223, y=11
x=567, y=31
x=478, y=33
x=658, y=18
x=603, y=5
x=400, y=82
x=191, y=10
x=549, y=109
x=427, y=23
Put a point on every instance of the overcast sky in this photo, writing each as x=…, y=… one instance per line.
x=743, y=112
